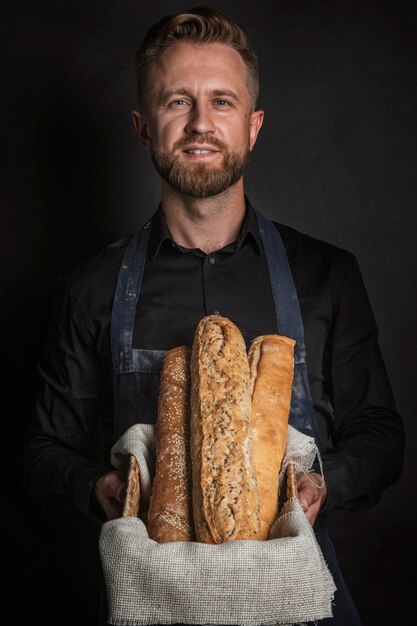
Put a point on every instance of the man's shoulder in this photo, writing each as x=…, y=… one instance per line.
x=98, y=274
x=300, y=244
x=314, y=261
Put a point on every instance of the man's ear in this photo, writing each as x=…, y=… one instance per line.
x=256, y=120
x=141, y=123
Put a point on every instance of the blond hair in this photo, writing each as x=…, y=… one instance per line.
x=199, y=25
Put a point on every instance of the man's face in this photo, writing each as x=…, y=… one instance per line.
x=199, y=124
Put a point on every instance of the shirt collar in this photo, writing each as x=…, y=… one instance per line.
x=160, y=233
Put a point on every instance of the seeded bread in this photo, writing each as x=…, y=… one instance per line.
x=271, y=361
x=225, y=494
x=169, y=515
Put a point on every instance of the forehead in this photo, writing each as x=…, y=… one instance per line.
x=188, y=65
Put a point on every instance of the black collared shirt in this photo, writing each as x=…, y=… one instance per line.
x=180, y=286
x=69, y=441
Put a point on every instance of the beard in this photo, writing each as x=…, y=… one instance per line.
x=199, y=180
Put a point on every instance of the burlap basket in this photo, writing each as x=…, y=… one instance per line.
x=284, y=580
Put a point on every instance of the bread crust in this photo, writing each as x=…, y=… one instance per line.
x=170, y=514
x=271, y=361
x=132, y=499
x=225, y=494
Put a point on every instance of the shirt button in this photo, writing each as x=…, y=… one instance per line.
x=216, y=312
x=212, y=260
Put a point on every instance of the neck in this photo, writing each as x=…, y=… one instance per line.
x=205, y=223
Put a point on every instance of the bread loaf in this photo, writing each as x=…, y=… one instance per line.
x=170, y=515
x=131, y=504
x=271, y=361
x=225, y=494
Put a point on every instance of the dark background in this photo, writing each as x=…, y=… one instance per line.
x=337, y=158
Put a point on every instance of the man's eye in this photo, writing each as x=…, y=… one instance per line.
x=178, y=103
x=222, y=103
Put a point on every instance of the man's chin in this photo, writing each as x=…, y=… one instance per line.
x=197, y=184
x=199, y=180
x=206, y=165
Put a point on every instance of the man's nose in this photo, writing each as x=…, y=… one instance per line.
x=200, y=120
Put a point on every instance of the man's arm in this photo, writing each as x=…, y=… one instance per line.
x=367, y=435
x=60, y=454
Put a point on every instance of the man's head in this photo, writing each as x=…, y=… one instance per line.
x=199, y=25
x=197, y=98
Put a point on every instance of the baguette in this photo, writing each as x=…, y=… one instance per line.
x=271, y=361
x=225, y=494
x=131, y=504
x=170, y=515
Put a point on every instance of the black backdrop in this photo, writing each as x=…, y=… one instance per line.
x=337, y=158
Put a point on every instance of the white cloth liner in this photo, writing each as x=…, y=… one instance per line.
x=284, y=580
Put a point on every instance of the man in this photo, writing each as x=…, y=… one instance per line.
x=207, y=251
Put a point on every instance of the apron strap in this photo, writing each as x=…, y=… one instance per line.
x=287, y=308
x=289, y=324
x=125, y=301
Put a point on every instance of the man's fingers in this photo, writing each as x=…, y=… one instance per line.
x=115, y=485
x=311, y=494
x=112, y=509
x=306, y=494
x=121, y=492
x=303, y=501
x=110, y=493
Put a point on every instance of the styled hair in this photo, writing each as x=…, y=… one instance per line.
x=199, y=25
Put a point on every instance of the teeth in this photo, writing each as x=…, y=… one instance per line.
x=199, y=151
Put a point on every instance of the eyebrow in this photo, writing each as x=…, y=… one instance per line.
x=182, y=91
x=225, y=92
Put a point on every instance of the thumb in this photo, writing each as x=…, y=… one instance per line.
x=117, y=486
x=120, y=492
x=303, y=499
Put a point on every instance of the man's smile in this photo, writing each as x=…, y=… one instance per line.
x=200, y=151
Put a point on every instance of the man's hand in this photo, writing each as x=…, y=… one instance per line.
x=110, y=493
x=311, y=495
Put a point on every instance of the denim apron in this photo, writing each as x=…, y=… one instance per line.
x=136, y=372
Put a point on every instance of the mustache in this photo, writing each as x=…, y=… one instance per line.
x=199, y=139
